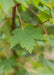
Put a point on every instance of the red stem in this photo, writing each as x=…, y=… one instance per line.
x=44, y=29
x=19, y=17
x=33, y=11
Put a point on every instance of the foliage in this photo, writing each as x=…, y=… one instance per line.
x=26, y=26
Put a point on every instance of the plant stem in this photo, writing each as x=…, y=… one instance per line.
x=33, y=11
x=19, y=17
x=13, y=16
x=44, y=29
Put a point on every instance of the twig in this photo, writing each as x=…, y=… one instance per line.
x=33, y=11
x=4, y=22
x=19, y=17
x=43, y=26
x=44, y=29
x=41, y=23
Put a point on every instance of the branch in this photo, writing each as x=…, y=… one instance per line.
x=14, y=15
x=13, y=18
x=19, y=17
x=13, y=23
x=4, y=22
x=33, y=12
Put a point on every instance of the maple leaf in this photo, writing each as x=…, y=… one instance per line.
x=26, y=37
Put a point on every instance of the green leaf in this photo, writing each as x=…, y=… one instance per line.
x=6, y=4
x=8, y=64
x=51, y=40
x=43, y=16
x=25, y=37
x=36, y=2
